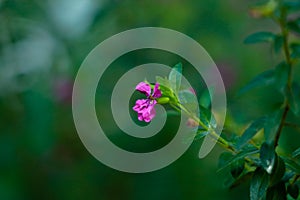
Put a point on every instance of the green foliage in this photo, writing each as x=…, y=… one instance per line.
x=293, y=190
x=175, y=77
x=267, y=156
x=272, y=171
x=263, y=79
x=260, y=37
x=251, y=131
x=259, y=184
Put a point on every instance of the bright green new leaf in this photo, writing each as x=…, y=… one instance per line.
x=205, y=98
x=164, y=86
x=188, y=100
x=260, y=37
x=251, y=131
x=267, y=156
x=259, y=184
x=263, y=79
x=175, y=77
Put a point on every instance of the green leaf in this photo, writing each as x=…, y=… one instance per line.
x=164, y=86
x=189, y=100
x=277, y=192
x=238, y=156
x=296, y=153
x=281, y=76
x=278, y=172
x=204, y=99
x=259, y=184
x=291, y=5
x=272, y=124
x=263, y=79
x=293, y=190
x=200, y=134
x=251, y=131
x=260, y=37
x=242, y=179
x=175, y=77
x=295, y=47
x=278, y=43
x=294, y=26
x=292, y=165
x=293, y=96
x=207, y=117
x=267, y=156
x=224, y=159
x=237, y=168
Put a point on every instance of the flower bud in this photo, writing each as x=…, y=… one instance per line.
x=266, y=10
x=163, y=100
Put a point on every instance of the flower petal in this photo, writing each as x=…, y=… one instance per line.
x=140, y=104
x=156, y=91
x=144, y=88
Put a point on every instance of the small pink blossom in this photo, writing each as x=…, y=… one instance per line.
x=145, y=107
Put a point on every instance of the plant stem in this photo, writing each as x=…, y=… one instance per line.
x=224, y=143
x=285, y=33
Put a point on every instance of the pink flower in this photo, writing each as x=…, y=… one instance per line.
x=145, y=107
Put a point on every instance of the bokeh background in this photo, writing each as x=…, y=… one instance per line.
x=42, y=45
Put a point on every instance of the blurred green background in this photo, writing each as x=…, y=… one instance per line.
x=43, y=43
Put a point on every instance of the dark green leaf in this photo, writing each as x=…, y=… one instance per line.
x=238, y=156
x=207, y=117
x=263, y=79
x=292, y=165
x=295, y=47
x=237, y=168
x=175, y=77
x=293, y=190
x=281, y=76
x=294, y=26
x=287, y=176
x=267, y=156
x=293, y=96
x=296, y=152
x=259, y=184
x=272, y=124
x=224, y=158
x=278, y=172
x=278, y=43
x=277, y=192
x=260, y=37
x=251, y=131
x=292, y=5
x=242, y=179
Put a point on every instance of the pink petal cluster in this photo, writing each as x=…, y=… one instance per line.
x=145, y=107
